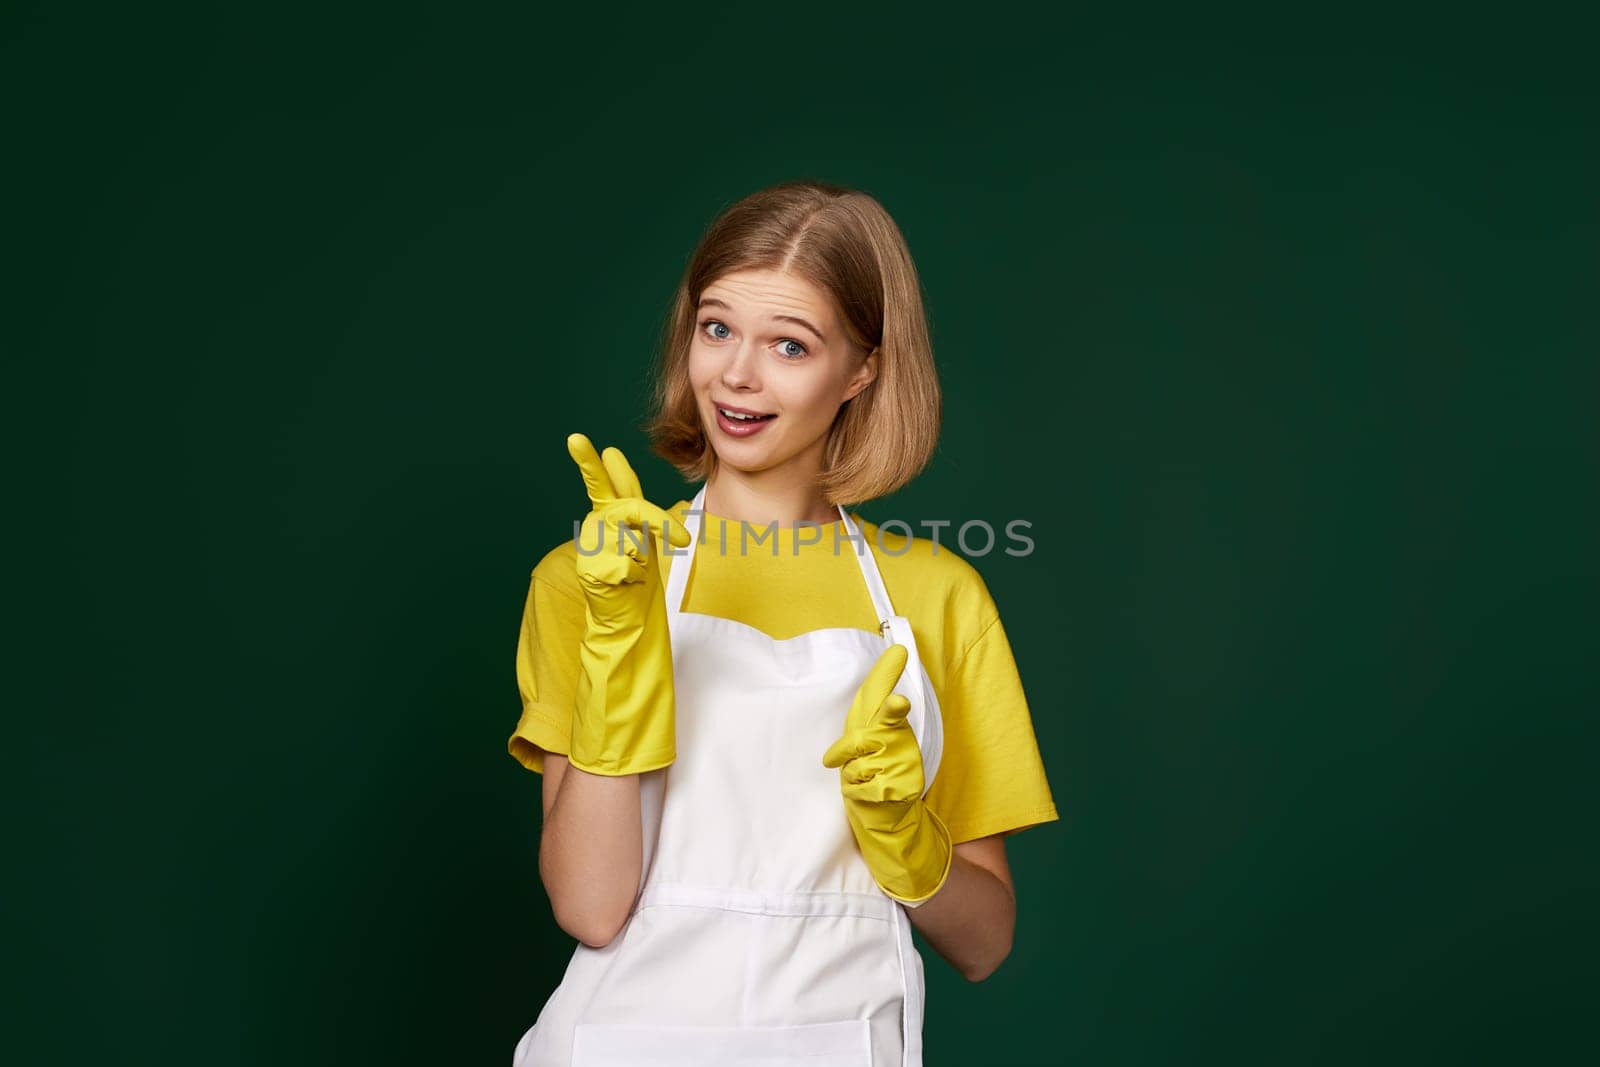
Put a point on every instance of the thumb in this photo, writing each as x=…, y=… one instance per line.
x=848, y=747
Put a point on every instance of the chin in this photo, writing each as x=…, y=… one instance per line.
x=748, y=464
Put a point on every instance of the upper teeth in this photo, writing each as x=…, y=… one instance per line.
x=737, y=415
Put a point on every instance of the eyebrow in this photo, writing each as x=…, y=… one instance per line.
x=712, y=301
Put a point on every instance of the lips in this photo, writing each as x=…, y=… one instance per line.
x=741, y=422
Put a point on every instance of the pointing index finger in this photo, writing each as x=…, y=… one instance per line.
x=595, y=478
x=879, y=683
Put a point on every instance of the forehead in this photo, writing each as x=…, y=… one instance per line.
x=770, y=291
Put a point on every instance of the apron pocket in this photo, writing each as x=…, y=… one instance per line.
x=847, y=1043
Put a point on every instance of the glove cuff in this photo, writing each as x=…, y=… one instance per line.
x=940, y=851
x=624, y=714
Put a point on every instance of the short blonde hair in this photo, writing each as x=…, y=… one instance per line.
x=843, y=242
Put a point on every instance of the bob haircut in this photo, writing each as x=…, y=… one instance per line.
x=843, y=242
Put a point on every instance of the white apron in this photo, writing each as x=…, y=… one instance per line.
x=759, y=935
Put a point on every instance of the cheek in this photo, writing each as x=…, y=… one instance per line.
x=701, y=370
x=815, y=397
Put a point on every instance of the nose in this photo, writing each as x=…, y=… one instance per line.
x=739, y=370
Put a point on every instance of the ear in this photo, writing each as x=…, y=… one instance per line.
x=864, y=376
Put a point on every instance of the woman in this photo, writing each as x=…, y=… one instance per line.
x=772, y=737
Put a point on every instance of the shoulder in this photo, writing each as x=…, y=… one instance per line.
x=557, y=570
x=932, y=582
x=934, y=559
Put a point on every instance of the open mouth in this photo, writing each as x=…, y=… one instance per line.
x=739, y=416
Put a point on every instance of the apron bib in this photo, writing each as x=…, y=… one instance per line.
x=759, y=936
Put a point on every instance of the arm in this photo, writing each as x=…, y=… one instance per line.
x=623, y=722
x=971, y=920
x=591, y=849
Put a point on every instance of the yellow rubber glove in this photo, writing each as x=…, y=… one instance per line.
x=906, y=845
x=624, y=719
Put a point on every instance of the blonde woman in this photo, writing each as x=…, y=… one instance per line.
x=773, y=737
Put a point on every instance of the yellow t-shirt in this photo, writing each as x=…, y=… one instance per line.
x=990, y=778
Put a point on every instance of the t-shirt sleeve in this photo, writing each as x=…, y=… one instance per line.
x=990, y=778
x=547, y=668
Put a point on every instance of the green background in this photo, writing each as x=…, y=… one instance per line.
x=1281, y=331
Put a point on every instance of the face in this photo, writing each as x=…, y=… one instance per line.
x=771, y=344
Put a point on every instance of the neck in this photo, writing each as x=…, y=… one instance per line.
x=764, y=497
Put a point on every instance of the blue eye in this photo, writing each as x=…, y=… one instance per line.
x=711, y=325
